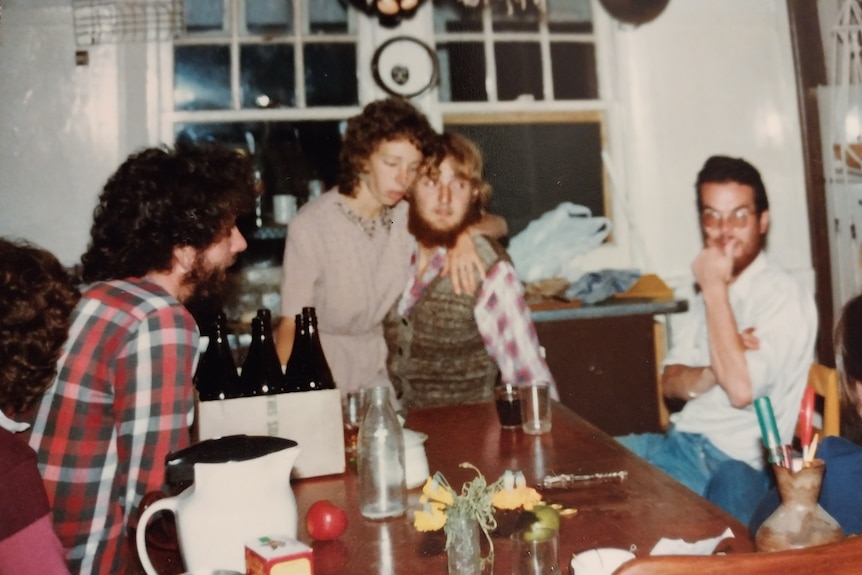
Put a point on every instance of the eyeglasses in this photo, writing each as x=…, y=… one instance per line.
x=713, y=219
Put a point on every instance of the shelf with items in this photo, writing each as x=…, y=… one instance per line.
x=275, y=232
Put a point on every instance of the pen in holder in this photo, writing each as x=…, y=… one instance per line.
x=779, y=454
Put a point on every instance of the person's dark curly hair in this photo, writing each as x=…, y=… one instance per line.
x=847, y=339
x=159, y=199
x=37, y=296
x=380, y=121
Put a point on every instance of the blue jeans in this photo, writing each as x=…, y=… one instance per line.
x=694, y=461
x=690, y=458
x=738, y=488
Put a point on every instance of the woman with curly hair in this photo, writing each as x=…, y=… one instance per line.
x=348, y=252
x=163, y=232
x=36, y=299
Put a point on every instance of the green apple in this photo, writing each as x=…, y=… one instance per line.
x=545, y=521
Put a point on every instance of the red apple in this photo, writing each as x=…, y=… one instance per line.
x=325, y=520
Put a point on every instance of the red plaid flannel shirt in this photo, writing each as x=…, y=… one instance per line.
x=122, y=400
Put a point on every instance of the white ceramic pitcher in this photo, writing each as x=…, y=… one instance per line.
x=240, y=490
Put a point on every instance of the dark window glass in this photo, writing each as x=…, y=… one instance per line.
x=327, y=17
x=452, y=16
x=519, y=70
x=462, y=72
x=203, y=15
x=266, y=76
x=534, y=167
x=526, y=20
x=202, y=78
x=330, y=75
x=573, y=67
x=289, y=155
x=269, y=16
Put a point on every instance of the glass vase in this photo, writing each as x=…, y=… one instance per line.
x=799, y=521
x=462, y=545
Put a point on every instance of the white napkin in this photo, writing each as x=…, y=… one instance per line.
x=667, y=546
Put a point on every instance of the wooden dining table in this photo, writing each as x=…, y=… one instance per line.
x=632, y=513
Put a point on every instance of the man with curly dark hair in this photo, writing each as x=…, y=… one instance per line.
x=36, y=299
x=164, y=231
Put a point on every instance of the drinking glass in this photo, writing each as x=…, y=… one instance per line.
x=535, y=407
x=353, y=407
x=508, y=406
x=536, y=552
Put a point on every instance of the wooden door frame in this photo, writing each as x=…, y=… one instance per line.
x=810, y=66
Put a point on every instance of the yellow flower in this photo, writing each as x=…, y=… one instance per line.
x=430, y=517
x=435, y=491
x=515, y=493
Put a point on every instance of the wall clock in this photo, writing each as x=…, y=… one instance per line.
x=405, y=66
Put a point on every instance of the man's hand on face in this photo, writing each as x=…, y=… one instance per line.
x=713, y=266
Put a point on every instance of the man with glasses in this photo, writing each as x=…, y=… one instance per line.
x=750, y=334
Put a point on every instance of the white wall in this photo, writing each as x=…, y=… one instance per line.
x=705, y=77
x=709, y=78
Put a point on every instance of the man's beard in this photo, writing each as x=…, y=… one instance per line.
x=432, y=237
x=207, y=280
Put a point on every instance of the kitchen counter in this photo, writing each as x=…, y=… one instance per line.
x=561, y=310
x=606, y=359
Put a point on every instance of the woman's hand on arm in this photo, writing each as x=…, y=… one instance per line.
x=464, y=265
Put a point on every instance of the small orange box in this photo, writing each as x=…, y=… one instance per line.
x=278, y=555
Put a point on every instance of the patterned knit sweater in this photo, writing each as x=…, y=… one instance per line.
x=436, y=353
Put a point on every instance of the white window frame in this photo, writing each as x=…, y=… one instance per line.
x=234, y=13
x=369, y=34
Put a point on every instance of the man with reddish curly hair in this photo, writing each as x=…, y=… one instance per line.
x=164, y=231
x=36, y=298
x=447, y=348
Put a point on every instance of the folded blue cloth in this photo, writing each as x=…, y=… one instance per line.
x=594, y=287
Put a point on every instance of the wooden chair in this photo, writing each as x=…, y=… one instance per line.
x=833, y=558
x=823, y=382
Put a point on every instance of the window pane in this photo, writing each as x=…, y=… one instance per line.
x=330, y=75
x=574, y=16
x=519, y=70
x=452, y=16
x=327, y=17
x=462, y=72
x=266, y=76
x=573, y=67
x=269, y=16
x=201, y=78
x=290, y=154
x=204, y=15
x=534, y=167
x=526, y=20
